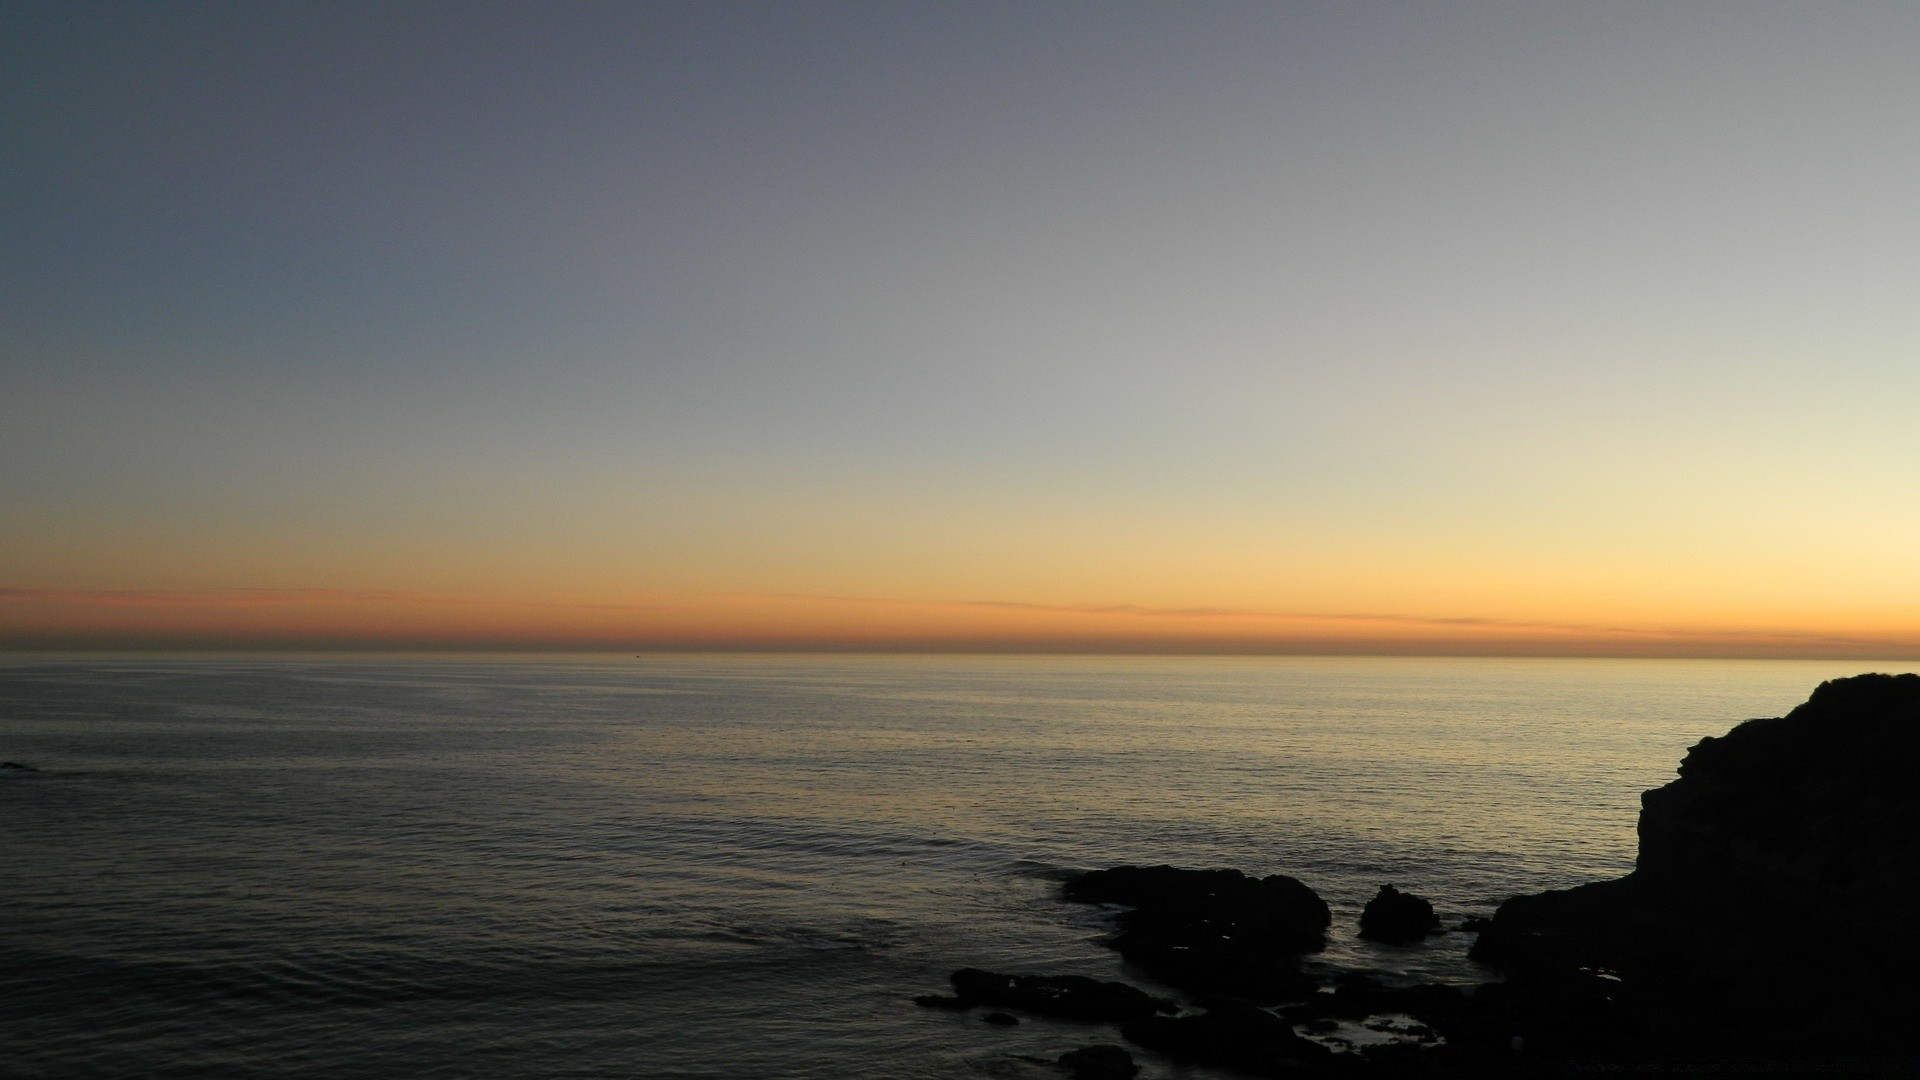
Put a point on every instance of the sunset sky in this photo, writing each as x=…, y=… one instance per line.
x=1270, y=327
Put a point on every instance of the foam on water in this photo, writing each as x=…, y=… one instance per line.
x=728, y=866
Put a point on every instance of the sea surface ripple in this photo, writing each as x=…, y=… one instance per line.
x=728, y=866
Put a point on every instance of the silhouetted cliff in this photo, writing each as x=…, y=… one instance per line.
x=1772, y=910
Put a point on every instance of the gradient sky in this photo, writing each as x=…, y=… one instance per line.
x=1535, y=327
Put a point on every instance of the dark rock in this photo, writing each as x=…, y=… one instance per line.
x=1102, y=1061
x=1244, y=1038
x=1000, y=1019
x=16, y=766
x=1071, y=997
x=1216, y=930
x=1474, y=925
x=942, y=1001
x=1397, y=917
x=1770, y=913
x=1297, y=913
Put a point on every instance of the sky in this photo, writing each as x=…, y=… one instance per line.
x=1533, y=328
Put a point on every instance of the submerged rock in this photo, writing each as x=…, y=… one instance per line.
x=1427, y=1001
x=1071, y=997
x=1397, y=917
x=1101, y=1061
x=1216, y=930
x=1240, y=1037
x=1771, y=911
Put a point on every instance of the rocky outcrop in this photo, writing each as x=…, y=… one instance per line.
x=1771, y=910
x=1217, y=930
x=1815, y=814
x=1397, y=917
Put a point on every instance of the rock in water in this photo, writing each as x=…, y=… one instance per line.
x=1071, y=997
x=1216, y=930
x=1397, y=917
x=1101, y=1061
x=1771, y=911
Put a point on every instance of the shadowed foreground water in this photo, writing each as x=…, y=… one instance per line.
x=746, y=866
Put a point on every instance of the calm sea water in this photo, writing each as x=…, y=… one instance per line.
x=591, y=866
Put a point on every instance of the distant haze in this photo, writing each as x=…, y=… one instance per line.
x=1575, y=329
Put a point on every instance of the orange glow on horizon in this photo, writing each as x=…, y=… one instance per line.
x=322, y=618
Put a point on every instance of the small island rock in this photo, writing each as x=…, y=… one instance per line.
x=1397, y=917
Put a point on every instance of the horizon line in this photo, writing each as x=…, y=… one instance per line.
x=1144, y=650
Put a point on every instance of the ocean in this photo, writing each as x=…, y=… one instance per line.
x=737, y=866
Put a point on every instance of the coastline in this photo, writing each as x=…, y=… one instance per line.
x=1725, y=950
